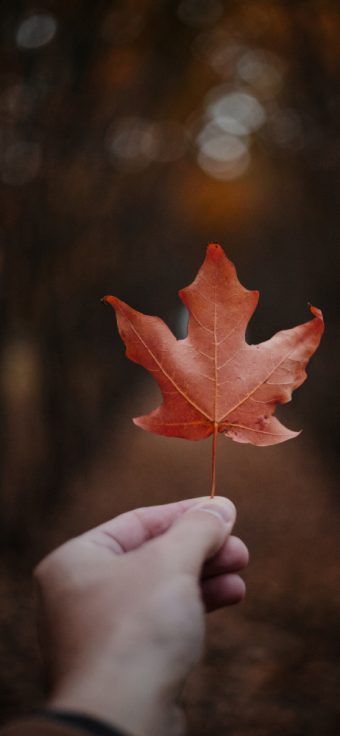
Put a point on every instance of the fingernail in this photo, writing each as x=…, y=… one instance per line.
x=223, y=508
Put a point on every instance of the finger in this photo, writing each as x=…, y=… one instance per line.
x=233, y=556
x=198, y=534
x=223, y=590
x=130, y=530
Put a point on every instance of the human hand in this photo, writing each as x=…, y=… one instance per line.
x=121, y=610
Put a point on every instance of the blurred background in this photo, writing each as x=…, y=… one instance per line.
x=131, y=134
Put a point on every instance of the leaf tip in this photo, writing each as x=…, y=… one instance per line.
x=214, y=251
x=108, y=300
x=317, y=312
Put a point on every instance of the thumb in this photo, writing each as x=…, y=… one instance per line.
x=199, y=533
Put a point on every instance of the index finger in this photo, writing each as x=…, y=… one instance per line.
x=132, y=529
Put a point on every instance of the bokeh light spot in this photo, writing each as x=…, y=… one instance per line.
x=237, y=112
x=129, y=141
x=224, y=147
x=222, y=155
x=261, y=69
x=134, y=142
x=224, y=170
x=18, y=101
x=36, y=31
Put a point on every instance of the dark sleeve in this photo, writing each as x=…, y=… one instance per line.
x=57, y=723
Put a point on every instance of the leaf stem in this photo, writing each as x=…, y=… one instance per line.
x=214, y=460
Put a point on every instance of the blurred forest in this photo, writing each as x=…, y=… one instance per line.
x=133, y=133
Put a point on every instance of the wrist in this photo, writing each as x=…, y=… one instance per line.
x=124, y=687
x=84, y=723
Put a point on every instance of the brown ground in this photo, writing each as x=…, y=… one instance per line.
x=272, y=664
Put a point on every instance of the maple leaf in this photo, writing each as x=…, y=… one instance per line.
x=213, y=381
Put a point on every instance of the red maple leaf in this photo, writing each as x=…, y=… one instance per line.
x=213, y=381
